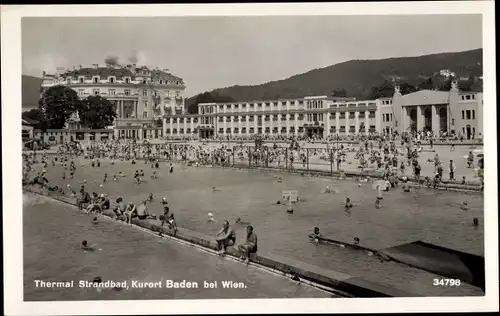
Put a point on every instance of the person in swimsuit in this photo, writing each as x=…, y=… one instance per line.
x=464, y=207
x=225, y=237
x=86, y=247
x=377, y=204
x=250, y=245
x=316, y=235
x=348, y=206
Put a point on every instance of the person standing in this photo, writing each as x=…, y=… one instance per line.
x=452, y=170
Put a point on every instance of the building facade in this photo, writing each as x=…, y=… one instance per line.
x=143, y=96
x=451, y=111
x=150, y=105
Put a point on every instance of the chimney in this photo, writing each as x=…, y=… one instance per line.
x=79, y=66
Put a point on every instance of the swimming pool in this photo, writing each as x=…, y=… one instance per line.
x=52, y=235
x=424, y=214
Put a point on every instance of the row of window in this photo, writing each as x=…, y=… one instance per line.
x=468, y=114
x=468, y=97
x=97, y=79
x=251, y=130
x=387, y=117
x=314, y=117
x=112, y=92
x=310, y=104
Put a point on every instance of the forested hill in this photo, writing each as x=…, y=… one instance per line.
x=355, y=78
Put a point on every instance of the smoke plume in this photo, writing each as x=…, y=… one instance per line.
x=111, y=60
x=138, y=58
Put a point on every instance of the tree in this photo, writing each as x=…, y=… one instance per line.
x=206, y=97
x=427, y=84
x=407, y=88
x=39, y=117
x=385, y=90
x=57, y=104
x=339, y=92
x=97, y=112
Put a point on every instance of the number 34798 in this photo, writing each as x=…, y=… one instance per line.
x=446, y=282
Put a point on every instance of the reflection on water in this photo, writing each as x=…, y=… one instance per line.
x=424, y=214
x=52, y=235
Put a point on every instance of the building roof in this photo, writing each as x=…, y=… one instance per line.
x=26, y=121
x=101, y=71
x=122, y=72
x=426, y=97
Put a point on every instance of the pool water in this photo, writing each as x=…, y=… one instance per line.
x=52, y=235
x=423, y=214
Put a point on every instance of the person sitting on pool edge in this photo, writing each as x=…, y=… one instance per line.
x=225, y=237
x=316, y=235
x=250, y=245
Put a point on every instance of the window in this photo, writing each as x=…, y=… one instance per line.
x=228, y=130
x=80, y=80
x=145, y=105
x=68, y=80
x=463, y=115
x=143, y=81
x=112, y=80
x=92, y=136
x=161, y=81
x=145, y=114
x=383, y=118
x=391, y=117
x=145, y=93
x=467, y=97
x=467, y=114
x=221, y=130
x=127, y=80
x=111, y=92
x=473, y=114
x=81, y=91
x=127, y=91
x=473, y=97
x=96, y=91
x=96, y=80
x=371, y=114
x=352, y=129
x=372, y=128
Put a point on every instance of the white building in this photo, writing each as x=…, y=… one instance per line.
x=143, y=96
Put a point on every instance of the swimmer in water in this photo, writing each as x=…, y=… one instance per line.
x=465, y=206
x=214, y=189
x=171, y=168
x=316, y=235
x=239, y=221
x=406, y=188
x=94, y=221
x=105, y=178
x=154, y=175
x=289, y=207
x=150, y=197
x=279, y=180
x=115, y=178
x=348, y=206
x=377, y=204
x=211, y=218
x=86, y=247
x=475, y=222
x=356, y=241
x=327, y=189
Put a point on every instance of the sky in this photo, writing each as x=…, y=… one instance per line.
x=216, y=52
